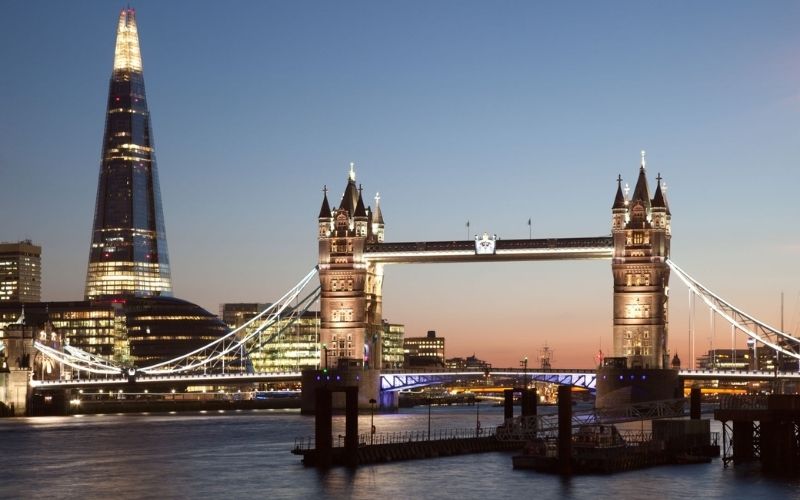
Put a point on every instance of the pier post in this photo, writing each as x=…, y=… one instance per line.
x=323, y=427
x=742, y=441
x=508, y=404
x=694, y=403
x=529, y=397
x=351, y=426
x=564, y=430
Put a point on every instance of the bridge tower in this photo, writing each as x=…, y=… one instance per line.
x=350, y=303
x=641, y=233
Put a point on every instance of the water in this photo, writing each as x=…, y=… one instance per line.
x=247, y=455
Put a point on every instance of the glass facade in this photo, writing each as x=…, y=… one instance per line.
x=128, y=254
x=293, y=346
x=392, y=345
x=163, y=328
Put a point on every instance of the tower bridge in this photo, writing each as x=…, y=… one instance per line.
x=351, y=260
x=353, y=253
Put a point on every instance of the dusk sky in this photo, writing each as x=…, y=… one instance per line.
x=492, y=112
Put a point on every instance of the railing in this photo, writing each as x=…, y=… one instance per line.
x=636, y=438
x=401, y=437
x=479, y=371
x=744, y=402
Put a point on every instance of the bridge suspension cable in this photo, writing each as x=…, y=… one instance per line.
x=274, y=320
x=755, y=329
x=79, y=360
x=216, y=353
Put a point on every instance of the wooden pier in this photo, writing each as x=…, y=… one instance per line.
x=764, y=429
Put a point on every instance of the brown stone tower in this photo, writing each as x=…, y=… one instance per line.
x=350, y=304
x=641, y=232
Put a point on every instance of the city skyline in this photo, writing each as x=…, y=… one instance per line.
x=489, y=115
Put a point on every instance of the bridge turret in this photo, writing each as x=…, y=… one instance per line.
x=376, y=222
x=350, y=304
x=640, y=228
x=619, y=211
x=360, y=218
x=325, y=216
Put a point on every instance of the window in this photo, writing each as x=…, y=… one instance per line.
x=342, y=315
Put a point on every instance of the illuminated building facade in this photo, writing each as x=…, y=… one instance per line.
x=291, y=347
x=20, y=272
x=392, y=351
x=130, y=331
x=424, y=351
x=641, y=229
x=350, y=303
x=128, y=254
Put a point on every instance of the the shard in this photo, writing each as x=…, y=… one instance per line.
x=128, y=254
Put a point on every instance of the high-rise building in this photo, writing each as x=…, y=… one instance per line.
x=128, y=255
x=20, y=272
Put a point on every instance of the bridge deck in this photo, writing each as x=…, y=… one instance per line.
x=504, y=250
x=400, y=379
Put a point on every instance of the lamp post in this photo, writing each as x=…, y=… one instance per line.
x=372, y=421
x=477, y=418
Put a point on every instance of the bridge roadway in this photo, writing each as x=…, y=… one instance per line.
x=398, y=380
x=466, y=250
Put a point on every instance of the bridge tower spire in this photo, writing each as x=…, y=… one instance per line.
x=350, y=303
x=641, y=232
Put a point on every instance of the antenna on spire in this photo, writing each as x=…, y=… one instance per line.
x=352, y=171
x=644, y=160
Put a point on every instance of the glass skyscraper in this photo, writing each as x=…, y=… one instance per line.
x=128, y=255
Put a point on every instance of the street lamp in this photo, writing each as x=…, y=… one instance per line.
x=372, y=421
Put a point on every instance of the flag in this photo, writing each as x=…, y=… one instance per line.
x=467, y=224
x=529, y=221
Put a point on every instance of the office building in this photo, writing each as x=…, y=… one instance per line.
x=128, y=254
x=424, y=351
x=20, y=272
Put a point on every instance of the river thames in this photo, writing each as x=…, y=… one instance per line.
x=246, y=454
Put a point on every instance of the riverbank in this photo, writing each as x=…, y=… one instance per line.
x=165, y=406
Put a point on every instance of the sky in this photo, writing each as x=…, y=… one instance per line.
x=455, y=111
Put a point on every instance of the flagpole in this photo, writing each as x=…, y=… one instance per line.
x=467, y=230
x=530, y=229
